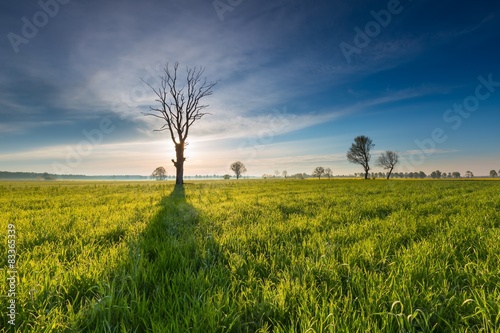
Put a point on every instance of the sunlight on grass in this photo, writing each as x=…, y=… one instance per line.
x=255, y=256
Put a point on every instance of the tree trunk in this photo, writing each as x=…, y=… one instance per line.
x=366, y=174
x=389, y=174
x=179, y=164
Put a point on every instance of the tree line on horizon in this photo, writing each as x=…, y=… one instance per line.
x=358, y=153
x=179, y=106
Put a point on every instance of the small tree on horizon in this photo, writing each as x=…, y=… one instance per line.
x=238, y=168
x=436, y=174
x=359, y=153
x=493, y=174
x=388, y=161
x=318, y=172
x=328, y=173
x=159, y=173
x=469, y=174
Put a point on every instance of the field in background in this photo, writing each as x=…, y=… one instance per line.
x=254, y=256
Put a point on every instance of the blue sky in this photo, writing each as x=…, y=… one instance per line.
x=298, y=81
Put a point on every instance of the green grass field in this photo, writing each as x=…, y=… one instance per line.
x=253, y=256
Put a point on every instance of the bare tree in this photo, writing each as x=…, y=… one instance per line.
x=328, y=173
x=359, y=153
x=285, y=173
x=180, y=107
x=238, y=169
x=318, y=172
x=388, y=161
x=159, y=173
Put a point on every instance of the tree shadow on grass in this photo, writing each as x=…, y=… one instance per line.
x=176, y=278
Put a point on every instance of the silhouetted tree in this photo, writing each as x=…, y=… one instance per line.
x=469, y=174
x=493, y=174
x=436, y=174
x=456, y=174
x=159, y=173
x=328, y=173
x=47, y=176
x=284, y=173
x=359, y=153
x=318, y=172
x=238, y=169
x=180, y=107
x=388, y=161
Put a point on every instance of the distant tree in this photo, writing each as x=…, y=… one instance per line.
x=226, y=176
x=285, y=173
x=388, y=161
x=328, y=172
x=456, y=174
x=276, y=173
x=422, y=174
x=318, y=172
x=469, y=174
x=47, y=176
x=159, y=173
x=359, y=153
x=436, y=174
x=238, y=169
x=493, y=174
